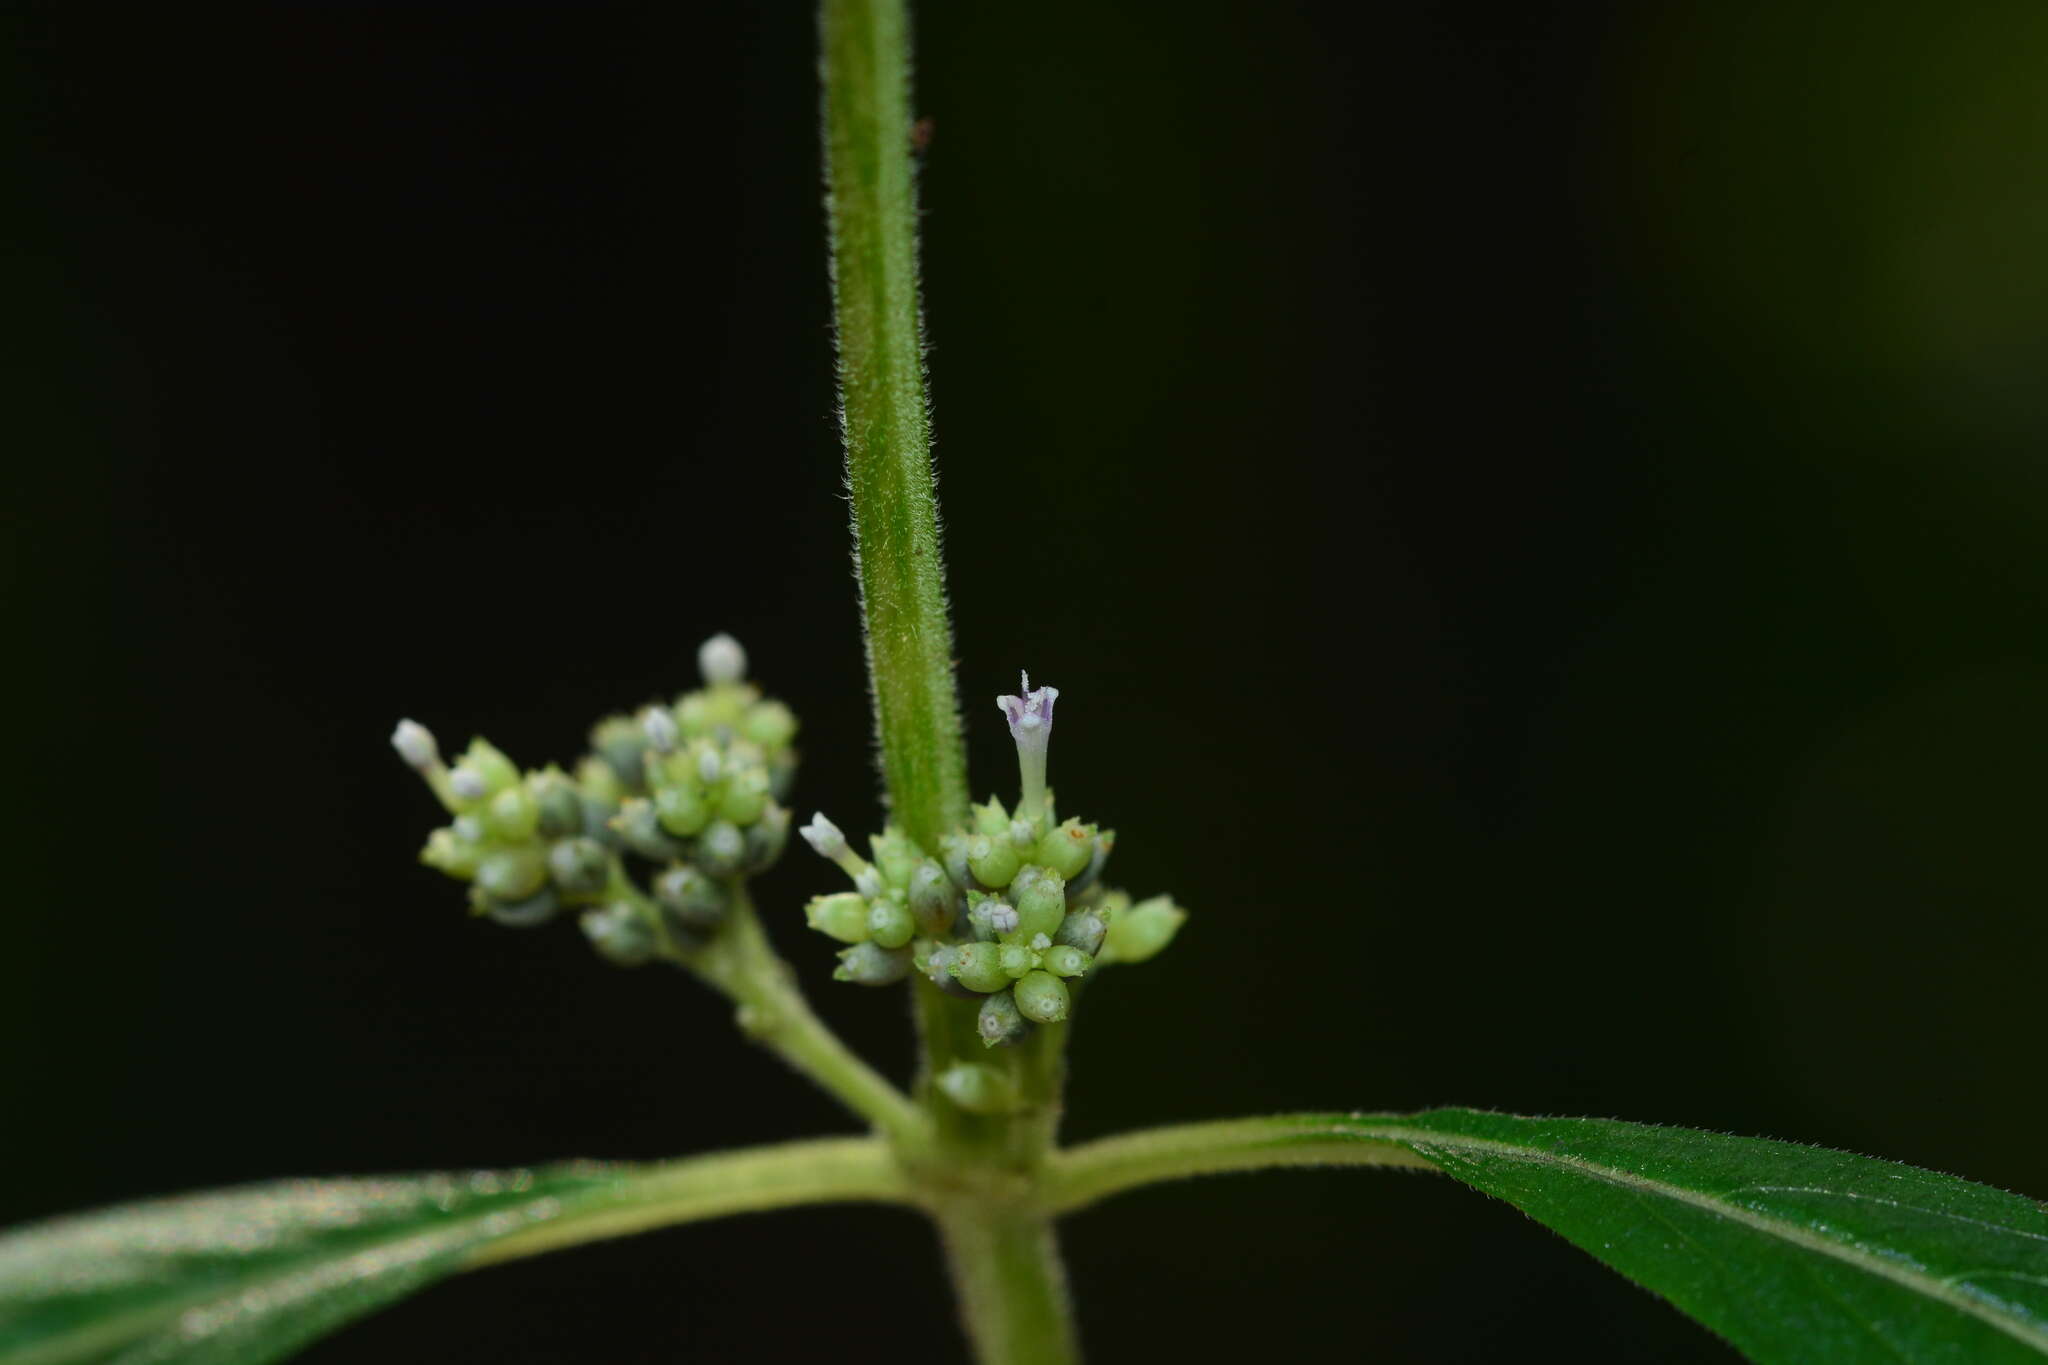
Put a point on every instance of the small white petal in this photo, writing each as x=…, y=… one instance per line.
x=824, y=837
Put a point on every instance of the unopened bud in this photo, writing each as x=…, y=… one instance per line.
x=1083, y=929
x=978, y=1089
x=1142, y=931
x=769, y=724
x=1067, y=848
x=415, y=744
x=843, y=916
x=722, y=849
x=890, y=924
x=932, y=898
x=999, y=1020
x=766, y=838
x=533, y=910
x=512, y=814
x=579, y=866
x=1016, y=960
x=620, y=933
x=979, y=967
x=511, y=874
x=1062, y=960
x=869, y=964
x=658, y=724
x=1042, y=997
x=1041, y=905
x=692, y=898
x=721, y=660
x=992, y=861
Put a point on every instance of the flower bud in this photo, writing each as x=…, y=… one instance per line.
x=1142, y=931
x=938, y=969
x=769, y=724
x=1016, y=959
x=999, y=1020
x=449, y=852
x=658, y=727
x=890, y=924
x=558, y=807
x=511, y=874
x=932, y=899
x=637, y=825
x=415, y=745
x=979, y=967
x=579, y=866
x=526, y=913
x=1082, y=929
x=868, y=964
x=1105, y=841
x=978, y=1089
x=487, y=765
x=766, y=838
x=623, y=746
x=843, y=916
x=1042, y=997
x=992, y=861
x=683, y=809
x=1023, y=837
x=745, y=795
x=826, y=839
x=1041, y=905
x=721, y=660
x=512, y=814
x=1062, y=960
x=722, y=849
x=620, y=933
x=1067, y=848
x=690, y=897
x=991, y=819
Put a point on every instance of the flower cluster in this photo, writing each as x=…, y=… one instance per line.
x=692, y=789
x=1010, y=909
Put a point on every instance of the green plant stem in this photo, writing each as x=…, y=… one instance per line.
x=873, y=214
x=773, y=1012
x=1012, y=1288
x=1079, y=1176
x=832, y=1170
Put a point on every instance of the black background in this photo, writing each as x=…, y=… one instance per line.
x=1536, y=512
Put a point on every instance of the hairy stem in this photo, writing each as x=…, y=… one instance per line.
x=1012, y=1287
x=873, y=213
x=1079, y=1176
x=774, y=1013
x=833, y=1170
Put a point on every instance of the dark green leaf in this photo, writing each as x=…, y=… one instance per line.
x=252, y=1274
x=1795, y=1254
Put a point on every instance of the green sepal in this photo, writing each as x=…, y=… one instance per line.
x=579, y=866
x=449, y=852
x=620, y=933
x=683, y=808
x=744, y=794
x=932, y=899
x=869, y=964
x=999, y=1021
x=483, y=758
x=890, y=923
x=511, y=874
x=512, y=815
x=895, y=857
x=1067, y=961
x=1041, y=900
x=721, y=849
x=1067, y=848
x=992, y=860
x=558, y=807
x=1083, y=930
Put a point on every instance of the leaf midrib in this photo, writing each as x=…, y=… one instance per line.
x=1421, y=1140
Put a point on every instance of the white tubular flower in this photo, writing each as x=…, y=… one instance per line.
x=1030, y=718
x=721, y=660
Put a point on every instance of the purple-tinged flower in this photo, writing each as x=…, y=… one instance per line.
x=1030, y=718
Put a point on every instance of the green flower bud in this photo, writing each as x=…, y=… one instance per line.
x=596, y=780
x=1043, y=997
x=1016, y=959
x=1067, y=849
x=979, y=967
x=992, y=861
x=843, y=915
x=640, y=829
x=511, y=874
x=745, y=795
x=953, y=852
x=868, y=964
x=658, y=726
x=769, y=724
x=683, y=809
x=1082, y=929
x=1023, y=836
x=890, y=924
x=622, y=744
x=895, y=857
x=690, y=897
x=938, y=969
x=579, y=866
x=933, y=901
x=978, y=1089
x=452, y=854
x=1063, y=960
x=620, y=933
x=999, y=1020
x=525, y=913
x=1041, y=905
x=512, y=815
x=991, y=819
x=597, y=821
x=766, y=838
x=490, y=767
x=1142, y=931
x=722, y=849
x=557, y=806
